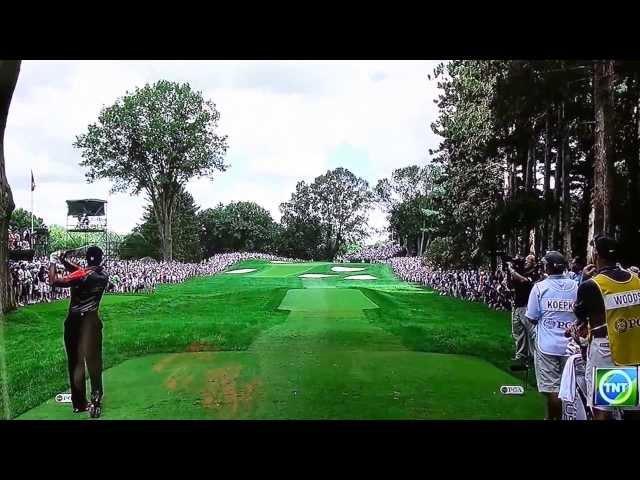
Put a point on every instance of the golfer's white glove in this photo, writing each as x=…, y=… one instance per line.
x=55, y=257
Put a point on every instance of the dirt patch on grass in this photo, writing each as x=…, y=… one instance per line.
x=199, y=347
x=163, y=363
x=226, y=393
x=171, y=383
x=175, y=382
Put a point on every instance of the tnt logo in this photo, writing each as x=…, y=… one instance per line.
x=616, y=387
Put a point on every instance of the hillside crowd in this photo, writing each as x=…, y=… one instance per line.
x=372, y=254
x=19, y=240
x=473, y=285
x=30, y=280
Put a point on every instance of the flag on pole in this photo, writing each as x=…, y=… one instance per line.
x=33, y=182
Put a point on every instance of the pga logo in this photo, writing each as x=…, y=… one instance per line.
x=512, y=390
x=63, y=398
x=616, y=387
x=621, y=326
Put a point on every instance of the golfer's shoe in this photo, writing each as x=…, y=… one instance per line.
x=80, y=409
x=95, y=407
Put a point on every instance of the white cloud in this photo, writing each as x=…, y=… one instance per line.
x=283, y=120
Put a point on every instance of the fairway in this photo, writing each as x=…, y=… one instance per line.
x=270, y=345
x=325, y=300
x=284, y=270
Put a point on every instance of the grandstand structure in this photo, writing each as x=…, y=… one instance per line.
x=87, y=222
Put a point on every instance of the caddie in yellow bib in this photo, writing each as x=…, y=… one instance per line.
x=622, y=314
x=608, y=305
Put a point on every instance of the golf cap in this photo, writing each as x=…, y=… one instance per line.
x=606, y=247
x=94, y=255
x=555, y=258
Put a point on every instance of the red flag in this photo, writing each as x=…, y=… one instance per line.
x=33, y=182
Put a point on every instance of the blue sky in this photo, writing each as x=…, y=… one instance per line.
x=286, y=121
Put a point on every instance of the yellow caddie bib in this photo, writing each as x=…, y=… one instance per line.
x=622, y=314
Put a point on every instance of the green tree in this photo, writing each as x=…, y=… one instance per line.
x=153, y=141
x=548, y=150
x=301, y=229
x=342, y=201
x=238, y=226
x=412, y=199
x=135, y=245
x=21, y=219
x=145, y=241
x=326, y=214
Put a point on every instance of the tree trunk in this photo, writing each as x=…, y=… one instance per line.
x=592, y=233
x=530, y=166
x=338, y=244
x=513, y=236
x=557, y=184
x=167, y=244
x=537, y=237
x=603, y=169
x=527, y=160
x=634, y=185
x=164, y=218
x=547, y=183
x=514, y=180
x=421, y=249
x=566, y=194
x=9, y=71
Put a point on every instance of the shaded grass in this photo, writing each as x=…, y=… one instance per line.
x=428, y=322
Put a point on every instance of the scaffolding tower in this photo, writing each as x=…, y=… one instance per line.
x=87, y=223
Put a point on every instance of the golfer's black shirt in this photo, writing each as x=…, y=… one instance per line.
x=87, y=287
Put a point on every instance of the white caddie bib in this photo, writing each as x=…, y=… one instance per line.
x=557, y=297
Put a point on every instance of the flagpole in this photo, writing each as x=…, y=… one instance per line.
x=31, y=236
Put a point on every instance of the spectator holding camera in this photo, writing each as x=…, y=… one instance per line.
x=521, y=278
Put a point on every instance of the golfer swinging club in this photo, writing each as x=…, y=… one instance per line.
x=83, y=327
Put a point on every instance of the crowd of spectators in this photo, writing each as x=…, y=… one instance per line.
x=19, y=241
x=472, y=285
x=30, y=280
x=30, y=283
x=375, y=253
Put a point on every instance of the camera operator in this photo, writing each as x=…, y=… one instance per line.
x=521, y=278
x=613, y=340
